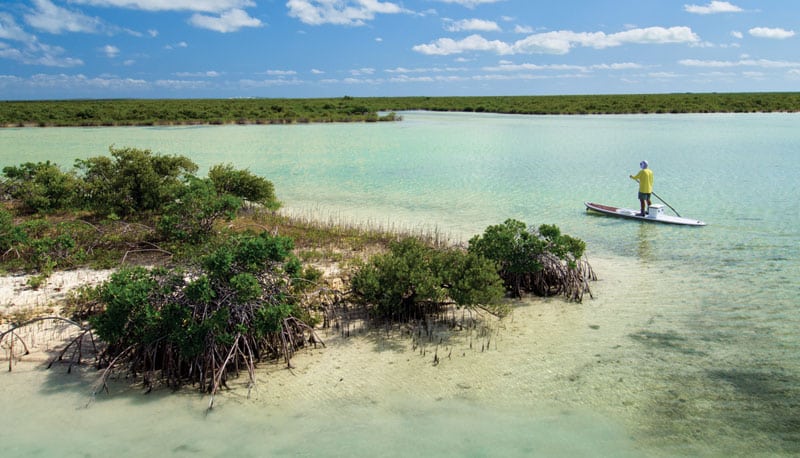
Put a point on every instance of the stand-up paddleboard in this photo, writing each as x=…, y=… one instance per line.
x=655, y=214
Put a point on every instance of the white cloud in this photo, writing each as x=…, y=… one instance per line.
x=362, y=71
x=472, y=25
x=317, y=71
x=765, y=32
x=7, y=52
x=340, y=12
x=553, y=42
x=81, y=82
x=207, y=74
x=50, y=56
x=229, y=21
x=560, y=42
x=110, y=51
x=54, y=19
x=205, y=6
x=281, y=72
x=713, y=8
x=663, y=75
x=762, y=63
x=737, y=34
x=181, y=84
x=651, y=35
x=32, y=51
x=181, y=44
x=255, y=84
x=470, y=3
x=523, y=29
x=411, y=79
x=9, y=29
x=403, y=70
x=447, y=46
x=511, y=67
x=618, y=66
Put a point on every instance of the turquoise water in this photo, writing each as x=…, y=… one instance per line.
x=691, y=345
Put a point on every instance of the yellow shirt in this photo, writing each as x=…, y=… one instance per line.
x=645, y=177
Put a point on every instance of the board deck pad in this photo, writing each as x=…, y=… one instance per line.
x=655, y=217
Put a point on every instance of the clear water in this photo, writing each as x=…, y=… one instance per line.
x=691, y=345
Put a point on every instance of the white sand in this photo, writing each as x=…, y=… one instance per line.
x=17, y=296
x=18, y=299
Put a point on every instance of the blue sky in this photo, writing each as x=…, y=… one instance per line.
x=61, y=49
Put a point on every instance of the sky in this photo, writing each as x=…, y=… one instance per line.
x=67, y=49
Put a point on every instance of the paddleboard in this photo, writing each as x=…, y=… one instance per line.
x=655, y=215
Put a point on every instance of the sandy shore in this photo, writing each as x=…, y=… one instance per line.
x=18, y=301
x=16, y=296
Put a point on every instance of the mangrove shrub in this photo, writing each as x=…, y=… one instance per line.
x=544, y=261
x=195, y=208
x=242, y=183
x=205, y=324
x=413, y=280
x=41, y=187
x=132, y=180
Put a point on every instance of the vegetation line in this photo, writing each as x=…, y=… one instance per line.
x=148, y=112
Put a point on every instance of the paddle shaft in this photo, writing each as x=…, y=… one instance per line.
x=662, y=200
x=668, y=205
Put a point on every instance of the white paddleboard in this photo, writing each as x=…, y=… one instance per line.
x=655, y=214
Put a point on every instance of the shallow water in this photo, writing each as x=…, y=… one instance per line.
x=689, y=347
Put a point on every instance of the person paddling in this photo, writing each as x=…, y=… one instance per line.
x=645, y=179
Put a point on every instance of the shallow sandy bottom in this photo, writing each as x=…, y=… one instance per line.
x=491, y=394
x=613, y=376
x=509, y=387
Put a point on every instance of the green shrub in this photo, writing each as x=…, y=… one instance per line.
x=515, y=250
x=239, y=304
x=242, y=183
x=543, y=262
x=42, y=187
x=194, y=209
x=132, y=180
x=246, y=287
x=414, y=279
x=127, y=299
x=11, y=235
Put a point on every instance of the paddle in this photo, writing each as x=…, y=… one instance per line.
x=668, y=205
x=662, y=200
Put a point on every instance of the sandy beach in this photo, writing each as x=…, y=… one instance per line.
x=16, y=296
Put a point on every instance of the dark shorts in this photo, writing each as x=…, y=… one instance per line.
x=644, y=196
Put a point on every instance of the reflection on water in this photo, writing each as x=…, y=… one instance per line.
x=690, y=347
x=644, y=249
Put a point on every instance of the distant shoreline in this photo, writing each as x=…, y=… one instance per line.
x=255, y=111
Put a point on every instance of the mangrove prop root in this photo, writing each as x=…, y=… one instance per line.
x=13, y=335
